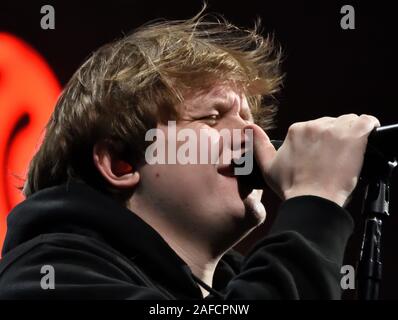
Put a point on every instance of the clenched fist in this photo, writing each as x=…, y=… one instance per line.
x=322, y=157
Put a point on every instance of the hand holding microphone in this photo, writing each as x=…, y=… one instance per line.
x=322, y=157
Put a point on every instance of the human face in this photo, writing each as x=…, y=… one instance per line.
x=205, y=200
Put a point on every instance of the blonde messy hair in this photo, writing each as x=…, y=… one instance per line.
x=126, y=87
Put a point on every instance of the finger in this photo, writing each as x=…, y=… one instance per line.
x=324, y=120
x=319, y=122
x=264, y=151
x=346, y=120
x=366, y=124
x=345, y=123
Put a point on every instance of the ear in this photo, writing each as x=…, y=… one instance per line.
x=117, y=172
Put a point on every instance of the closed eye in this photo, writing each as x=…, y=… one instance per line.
x=212, y=116
x=211, y=119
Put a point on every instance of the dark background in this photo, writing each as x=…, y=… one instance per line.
x=329, y=71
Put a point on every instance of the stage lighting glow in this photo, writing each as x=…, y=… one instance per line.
x=28, y=92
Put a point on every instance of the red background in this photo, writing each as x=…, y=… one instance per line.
x=28, y=91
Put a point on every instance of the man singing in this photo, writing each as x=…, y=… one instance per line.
x=109, y=225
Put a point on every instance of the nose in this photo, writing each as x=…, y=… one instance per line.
x=239, y=138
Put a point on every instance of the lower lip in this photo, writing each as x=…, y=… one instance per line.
x=228, y=175
x=231, y=177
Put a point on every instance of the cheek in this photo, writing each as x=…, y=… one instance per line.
x=181, y=179
x=197, y=189
x=197, y=185
x=202, y=147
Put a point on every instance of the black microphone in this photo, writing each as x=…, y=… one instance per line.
x=384, y=141
x=382, y=146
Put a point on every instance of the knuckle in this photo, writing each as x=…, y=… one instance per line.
x=369, y=118
x=314, y=127
x=320, y=131
x=367, y=122
x=296, y=131
x=350, y=115
x=365, y=117
x=294, y=128
x=347, y=118
x=326, y=119
x=329, y=132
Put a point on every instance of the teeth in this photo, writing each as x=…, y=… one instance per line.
x=237, y=162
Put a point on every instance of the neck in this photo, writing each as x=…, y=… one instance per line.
x=200, y=255
x=198, y=258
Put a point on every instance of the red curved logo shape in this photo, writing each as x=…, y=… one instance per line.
x=28, y=92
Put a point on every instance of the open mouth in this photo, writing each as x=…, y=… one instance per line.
x=226, y=170
x=245, y=186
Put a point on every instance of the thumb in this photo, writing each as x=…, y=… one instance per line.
x=264, y=151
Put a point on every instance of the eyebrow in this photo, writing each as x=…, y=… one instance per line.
x=224, y=102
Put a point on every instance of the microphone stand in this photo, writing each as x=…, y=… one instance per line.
x=379, y=164
x=377, y=172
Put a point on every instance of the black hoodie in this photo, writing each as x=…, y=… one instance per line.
x=101, y=250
